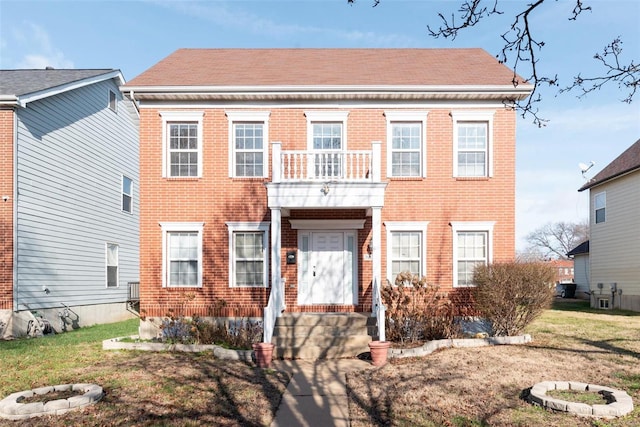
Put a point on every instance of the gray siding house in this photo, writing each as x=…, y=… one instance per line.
x=580, y=256
x=69, y=207
x=614, y=242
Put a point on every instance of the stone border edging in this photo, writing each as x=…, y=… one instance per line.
x=434, y=345
x=620, y=403
x=219, y=352
x=12, y=409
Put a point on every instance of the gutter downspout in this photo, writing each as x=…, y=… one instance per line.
x=15, y=211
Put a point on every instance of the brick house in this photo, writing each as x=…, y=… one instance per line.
x=301, y=179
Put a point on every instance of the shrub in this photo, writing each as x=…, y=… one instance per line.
x=179, y=330
x=239, y=334
x=512, y=294
x=417, y=311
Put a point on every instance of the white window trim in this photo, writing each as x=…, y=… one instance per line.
x=106, y=265
x=596, y=208
x=326, y=117
x=399, y=226
x=122, y=194
x=248, y=226
x=481, y=226
x=169, y=227
x=253, y=117
x=473, y=116
x=407, y=117
x=180, y=117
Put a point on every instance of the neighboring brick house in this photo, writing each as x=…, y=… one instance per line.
x=333, y=169
x=563, y=269
x=68, y=208
x=614, y=233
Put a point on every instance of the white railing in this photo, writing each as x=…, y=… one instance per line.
x=326, y=165
x=379, y=310
x=273, y=309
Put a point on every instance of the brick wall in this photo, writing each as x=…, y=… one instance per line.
x=215, y=199
x=6, y=209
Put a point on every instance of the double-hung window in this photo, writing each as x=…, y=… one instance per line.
x=111, y=255
x=406, y=248
x=248, y=143
x=182, y=142
x=182, y=254
x=472, y=246
x=248, y=254
x=127, y=194
x=600, y=205
x=327, y=142
x=406, y=142
x=472, y=143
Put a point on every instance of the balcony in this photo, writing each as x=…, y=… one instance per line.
x=326, y=178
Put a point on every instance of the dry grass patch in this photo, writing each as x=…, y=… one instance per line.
x=142, y=388
x=483, y=386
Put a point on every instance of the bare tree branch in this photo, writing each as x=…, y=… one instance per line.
x=521, y=49
x=557, y=239
x=626, y=76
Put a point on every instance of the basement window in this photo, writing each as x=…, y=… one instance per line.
x=603, y=303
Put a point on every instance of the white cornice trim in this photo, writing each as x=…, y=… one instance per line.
x=327, y=92
x=329, y=88
x=327, y=224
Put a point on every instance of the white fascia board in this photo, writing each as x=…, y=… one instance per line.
x=9, y=100
x=24, y=100
x=520, y=90
x=308, y=105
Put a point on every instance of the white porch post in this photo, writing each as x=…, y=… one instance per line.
x=276, y=243
x=376, y=161
x=276, y=163
x=376, y=243
x=276, y=294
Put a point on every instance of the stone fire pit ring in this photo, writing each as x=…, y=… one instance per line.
x=619, y=403
x=11, y=407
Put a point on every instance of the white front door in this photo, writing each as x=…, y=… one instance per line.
x=326, y=269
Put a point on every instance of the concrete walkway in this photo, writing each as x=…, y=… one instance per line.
x=317, y=392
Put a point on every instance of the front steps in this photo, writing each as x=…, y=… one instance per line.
x=322, y=335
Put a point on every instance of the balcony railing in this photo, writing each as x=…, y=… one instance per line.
x=326, y=165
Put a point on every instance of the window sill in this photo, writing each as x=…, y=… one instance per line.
x=248, y=287
x=472, y=178
x=182, y=178
x=249, y=178
x=406, y=178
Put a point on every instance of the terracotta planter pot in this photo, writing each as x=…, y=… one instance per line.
x=264, y=353
x=379, y=352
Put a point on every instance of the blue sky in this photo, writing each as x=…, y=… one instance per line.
x=133, y=35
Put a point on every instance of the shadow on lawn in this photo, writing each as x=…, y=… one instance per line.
x=177, y=389
x=205, y=391
x=590, y=347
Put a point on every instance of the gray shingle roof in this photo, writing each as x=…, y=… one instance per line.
x=625, y=162
x=23, y=82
